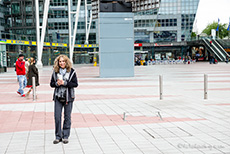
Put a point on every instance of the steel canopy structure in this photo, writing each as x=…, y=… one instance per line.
x=136, y=5
x=72, y=35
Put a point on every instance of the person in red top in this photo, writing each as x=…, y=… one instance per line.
x=21, y=74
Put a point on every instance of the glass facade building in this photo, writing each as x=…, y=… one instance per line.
x=155, y=20
x=21, y=22
x=3, y=11
x=20, y=25
x=172, y=21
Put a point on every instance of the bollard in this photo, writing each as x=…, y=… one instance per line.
x=124, y=116
x=34, y=88
x=205, y=86
x=161, y=86
x=159, y=115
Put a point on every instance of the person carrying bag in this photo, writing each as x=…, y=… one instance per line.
x=64, y=80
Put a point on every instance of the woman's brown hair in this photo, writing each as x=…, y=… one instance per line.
x=68, y=63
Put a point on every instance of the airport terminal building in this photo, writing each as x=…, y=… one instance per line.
x=171, y=21
x=157, y=23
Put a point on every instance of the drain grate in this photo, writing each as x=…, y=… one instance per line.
x=139, y=113
x=169, y=132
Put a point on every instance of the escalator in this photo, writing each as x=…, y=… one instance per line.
x=216, y=49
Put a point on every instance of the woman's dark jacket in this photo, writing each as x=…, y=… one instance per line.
x=70, y=84
x=32, y=72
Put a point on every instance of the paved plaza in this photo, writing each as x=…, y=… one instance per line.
x=123, y=115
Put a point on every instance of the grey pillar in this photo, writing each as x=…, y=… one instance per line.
x=116, y=44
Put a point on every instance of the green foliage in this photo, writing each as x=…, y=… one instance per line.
x=222, y=29
x=193, y=34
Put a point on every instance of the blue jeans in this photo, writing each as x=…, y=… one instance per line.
x=22, y=83
x=211, y=61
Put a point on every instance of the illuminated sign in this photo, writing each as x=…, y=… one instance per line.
x=138, y=45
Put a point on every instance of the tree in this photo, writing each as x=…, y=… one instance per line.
x=193, y=34
x=222, y=29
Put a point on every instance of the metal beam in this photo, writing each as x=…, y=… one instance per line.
x=70, y=25
x=87, y=24
x=72, y=37
x=41, y=36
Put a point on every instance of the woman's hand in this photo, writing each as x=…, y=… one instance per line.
x=60, y=82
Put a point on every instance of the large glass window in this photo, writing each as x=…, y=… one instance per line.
x=171, y=14
x=15, y=8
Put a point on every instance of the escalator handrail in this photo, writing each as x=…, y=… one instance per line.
x=218, y=43
x=211, y=48
x=219, y=50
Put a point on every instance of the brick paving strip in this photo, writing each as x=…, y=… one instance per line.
x=180, y=123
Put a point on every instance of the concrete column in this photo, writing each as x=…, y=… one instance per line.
x=116, y=44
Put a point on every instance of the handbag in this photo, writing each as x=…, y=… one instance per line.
x=62, y=97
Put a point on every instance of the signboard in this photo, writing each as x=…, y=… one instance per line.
x=213, y=33
x=137, y=44
x=46, y=44
x=85, y=45
x=17, y=42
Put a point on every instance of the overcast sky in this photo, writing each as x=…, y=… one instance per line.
x=210, y=10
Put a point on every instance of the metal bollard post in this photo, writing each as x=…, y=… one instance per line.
x=205, y=86
x=124, y=116
x=161, y=86
x=34, y=88
x=159, y=114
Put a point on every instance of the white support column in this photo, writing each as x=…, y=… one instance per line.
x=70, y=27
x=72, y=38
x=86, y=22
x=41, y=36
x=88, y=29
x=37, y=26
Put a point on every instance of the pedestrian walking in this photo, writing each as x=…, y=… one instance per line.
x=27, y=64
x=21, y=74
x=210, y=43
x=64, y=80
x=146, y=60
x=32, y=72
x=227, y=59
x=211, y=59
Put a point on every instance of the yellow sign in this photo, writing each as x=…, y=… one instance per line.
x=16, y=42
x=85, y=45
x=59, y=44
x=34, y=43
x=46, y=44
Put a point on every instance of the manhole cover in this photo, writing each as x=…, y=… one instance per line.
x=169, y=132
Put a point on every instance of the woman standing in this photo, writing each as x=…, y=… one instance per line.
x=64, y=80
x=32, y=72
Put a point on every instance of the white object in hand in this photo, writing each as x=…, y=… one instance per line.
x=60, y=77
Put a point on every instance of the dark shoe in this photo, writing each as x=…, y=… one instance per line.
x=65, y=141
x=56, y=141
x=18, y=92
